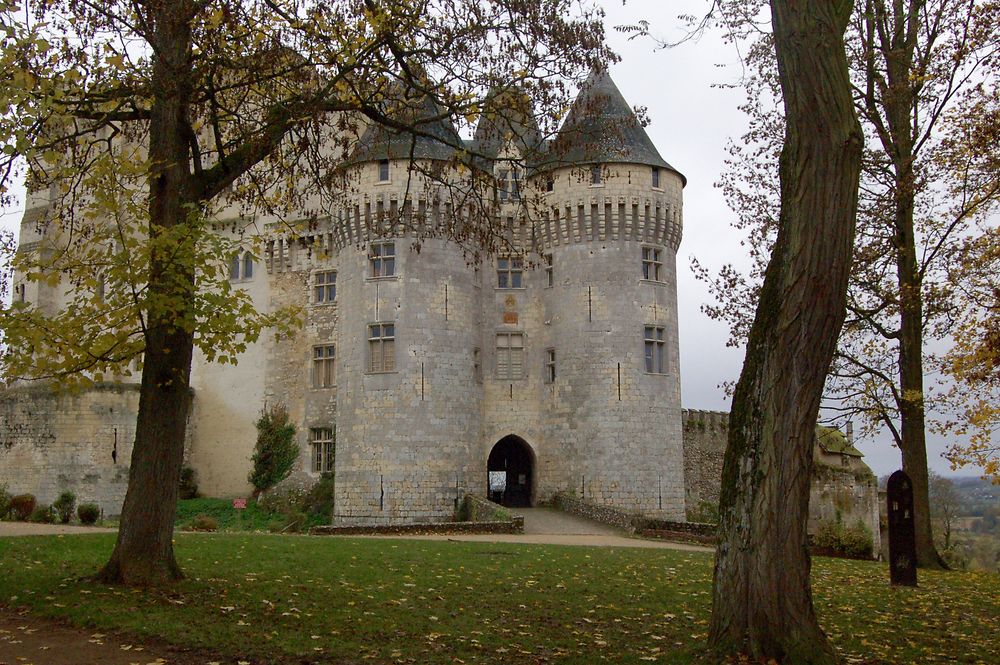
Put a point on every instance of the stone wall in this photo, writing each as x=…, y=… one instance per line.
x=52, y=442
x=843, y=487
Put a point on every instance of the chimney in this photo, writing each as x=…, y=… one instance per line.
x=850, y=432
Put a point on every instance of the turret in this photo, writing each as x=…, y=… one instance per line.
x=408, y=397
x=607, y=234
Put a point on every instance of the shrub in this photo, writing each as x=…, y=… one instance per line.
x=43, y=515
x=204, y=523
x=289, y=522
x=65, y=505
x=319, y=500
x=276, y=450
x=5, y=498
x=22, y=505
x=855, y=542
x=706, y=513
x=188, y=488
x=88, y=513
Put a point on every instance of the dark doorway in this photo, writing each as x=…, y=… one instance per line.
x=511, y=466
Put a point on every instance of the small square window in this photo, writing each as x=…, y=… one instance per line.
x=382, y=347
x=383, y=259
x=325, y=287
x=383, y=170
x=510, y=271
x=324, y=449
x=652, y=264
x=655, y=350
x=323, y=368
x=550, y=365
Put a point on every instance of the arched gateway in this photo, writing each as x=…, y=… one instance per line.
x=511, y=468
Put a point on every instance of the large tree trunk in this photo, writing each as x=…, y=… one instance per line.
x=900, y=101
x=144, y=553
x=762, y=604
x=913, y=442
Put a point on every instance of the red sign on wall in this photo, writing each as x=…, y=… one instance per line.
x=240, y=504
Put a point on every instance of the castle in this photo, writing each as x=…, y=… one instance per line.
x=420, y=376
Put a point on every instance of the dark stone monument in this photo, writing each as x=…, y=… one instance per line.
x=902, y=540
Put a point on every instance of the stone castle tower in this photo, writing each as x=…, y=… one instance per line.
x=421, y=368
x=556, y=365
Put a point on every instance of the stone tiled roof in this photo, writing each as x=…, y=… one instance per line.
x=832, y=440
x=437, y=138
x=601, y=128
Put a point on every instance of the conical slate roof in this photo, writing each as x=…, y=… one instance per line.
x=437, y=139
x=507, y=116
x=601, y=128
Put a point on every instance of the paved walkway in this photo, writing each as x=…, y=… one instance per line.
x=547, y=526
x=30, y=529
x=542, y=526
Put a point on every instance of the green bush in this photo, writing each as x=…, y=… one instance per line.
x=43, y=515
x=318, y=502
x=65, y=506
x=204, y=523
x=855, y=542
x=88, y=513
x=276, y=450
x=188, y=488
x=5, y=498
x=706, y=513
x=22, y=505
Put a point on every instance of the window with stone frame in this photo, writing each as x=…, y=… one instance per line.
x=510, y=356
x=655, y=349
x=510, y=272
x=324, y=449
x=652, y=264
x=383, y=170
x=656, y=177
x=324, y=287
x=383, y=259
x=596, y=177
x=509, y=184
x=550, y=365
x=477, y=365
x=382, y=347
x=547, y=265
x=241, y=267
x=323, y=366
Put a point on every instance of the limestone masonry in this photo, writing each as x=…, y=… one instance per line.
x=422, y=376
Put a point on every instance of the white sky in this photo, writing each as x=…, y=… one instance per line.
x=691, y=120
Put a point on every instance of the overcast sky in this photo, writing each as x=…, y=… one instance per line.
x=692, y=118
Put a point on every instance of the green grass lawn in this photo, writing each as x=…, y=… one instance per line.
x=252, y=518
x=330, y=599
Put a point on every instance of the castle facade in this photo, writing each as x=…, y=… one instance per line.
x=425, y=369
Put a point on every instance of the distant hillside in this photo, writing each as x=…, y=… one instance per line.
x=976, y=495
